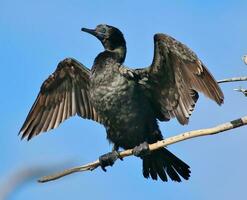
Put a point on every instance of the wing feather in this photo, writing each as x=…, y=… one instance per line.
x=174, y=78
x=64, y=94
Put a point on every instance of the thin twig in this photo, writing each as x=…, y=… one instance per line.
x=244, y=91
x=20, y=177
x=235, y=79
x=171, y=140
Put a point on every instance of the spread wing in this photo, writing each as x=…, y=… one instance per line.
x=64, y=94
x=174, y=78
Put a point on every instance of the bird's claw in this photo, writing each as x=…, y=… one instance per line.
x=108, y=159
x=141, y=150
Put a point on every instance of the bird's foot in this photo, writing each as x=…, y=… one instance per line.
x=141, y=150
x=108, y=159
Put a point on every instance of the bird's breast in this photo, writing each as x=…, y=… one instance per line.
x=109, y=90
x=121, y=104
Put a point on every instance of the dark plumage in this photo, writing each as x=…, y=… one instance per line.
x=128, y=102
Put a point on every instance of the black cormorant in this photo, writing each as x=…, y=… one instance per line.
x=128, y=102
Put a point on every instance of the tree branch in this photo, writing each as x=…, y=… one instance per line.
x=17, y=179
x=244, y=91
x=171, y=140
x=235, y=79
x=23, y=176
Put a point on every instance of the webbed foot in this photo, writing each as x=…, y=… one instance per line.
x=141, y=150
x=108, y=159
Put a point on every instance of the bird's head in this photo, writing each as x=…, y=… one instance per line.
x=111, y=37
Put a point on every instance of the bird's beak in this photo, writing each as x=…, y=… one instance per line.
x=90, y=31
x=93, y=32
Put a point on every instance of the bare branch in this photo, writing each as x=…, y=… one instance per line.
x=235, y=79
x=171, y=140
x=25, y=175
x=244, y=91
x=19, y=178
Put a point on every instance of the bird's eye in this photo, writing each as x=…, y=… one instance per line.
x=103, y=30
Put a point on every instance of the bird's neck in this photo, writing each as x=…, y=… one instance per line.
x=118, y=55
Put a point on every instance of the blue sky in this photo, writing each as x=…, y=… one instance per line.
x=36, y=35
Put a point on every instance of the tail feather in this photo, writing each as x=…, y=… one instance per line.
x=161, y=172
x=162, y=163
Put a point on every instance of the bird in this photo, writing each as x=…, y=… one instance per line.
x=128, y=102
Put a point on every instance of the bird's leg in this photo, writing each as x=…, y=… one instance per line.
x=141, y=150
x=115, y=148
x=109, y=159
